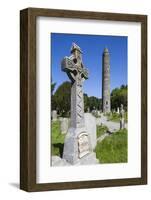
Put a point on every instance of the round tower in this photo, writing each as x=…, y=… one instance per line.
x=106, y=104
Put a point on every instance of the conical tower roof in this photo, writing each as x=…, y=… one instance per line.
x=106, y=50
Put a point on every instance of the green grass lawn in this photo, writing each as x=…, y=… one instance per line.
x=57, y=139
x=101, y=130
x=115, y=117
x=113, y=149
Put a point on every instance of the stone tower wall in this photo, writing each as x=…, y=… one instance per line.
x=106, y=104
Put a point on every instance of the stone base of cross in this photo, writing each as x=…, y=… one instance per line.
x=77, y=149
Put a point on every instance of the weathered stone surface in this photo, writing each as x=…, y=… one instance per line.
x=98, y=121
x=77, y=143
x=64, y=125
x=54, y=115
x=88, y=110
x=106, y=82
x=71, y=145
x=99, y=113
x=57, y=161
x=89, y=159
x=122, y=120
x=83, y=144
x=90, y=123
x=94, y=112
x=122, y=123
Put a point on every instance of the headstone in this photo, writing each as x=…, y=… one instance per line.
x=98, y=121
x=64, y=125
x=99, y=113
x=90, y=123
x=54, y=115
x=94, y=112
x=122, y=120
x=77, y=144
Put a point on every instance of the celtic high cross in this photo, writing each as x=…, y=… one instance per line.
x=77, y=146
x=77, y=73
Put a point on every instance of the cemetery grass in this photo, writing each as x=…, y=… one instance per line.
x=101, y=130
x=115, y=117
x=113, y=149
x=57, y=139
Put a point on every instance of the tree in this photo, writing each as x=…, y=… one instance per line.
x=94, y=103
x=52, y=87
x=52, y=96
x=119, y=96
x=61, y=99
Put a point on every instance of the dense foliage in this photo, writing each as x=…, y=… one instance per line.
x=118, y=97
x=91, y=103
x=60, y=99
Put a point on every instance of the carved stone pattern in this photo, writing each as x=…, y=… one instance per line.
x=83, y=144
x=79, y=104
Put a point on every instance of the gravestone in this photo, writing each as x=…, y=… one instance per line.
x=94, y=112
x=122, y=120
x=88, y=109
x=64, y=125
x=118, y=110
x=90, y=123
x=98, y=121
x=77, y=148
x=98, y=113
x=54, y=115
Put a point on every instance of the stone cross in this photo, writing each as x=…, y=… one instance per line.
x=77, y=141
x=77, y=73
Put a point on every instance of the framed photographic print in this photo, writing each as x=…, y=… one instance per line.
x=83, y=99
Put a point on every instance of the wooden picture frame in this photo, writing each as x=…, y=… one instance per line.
x=28, y=98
